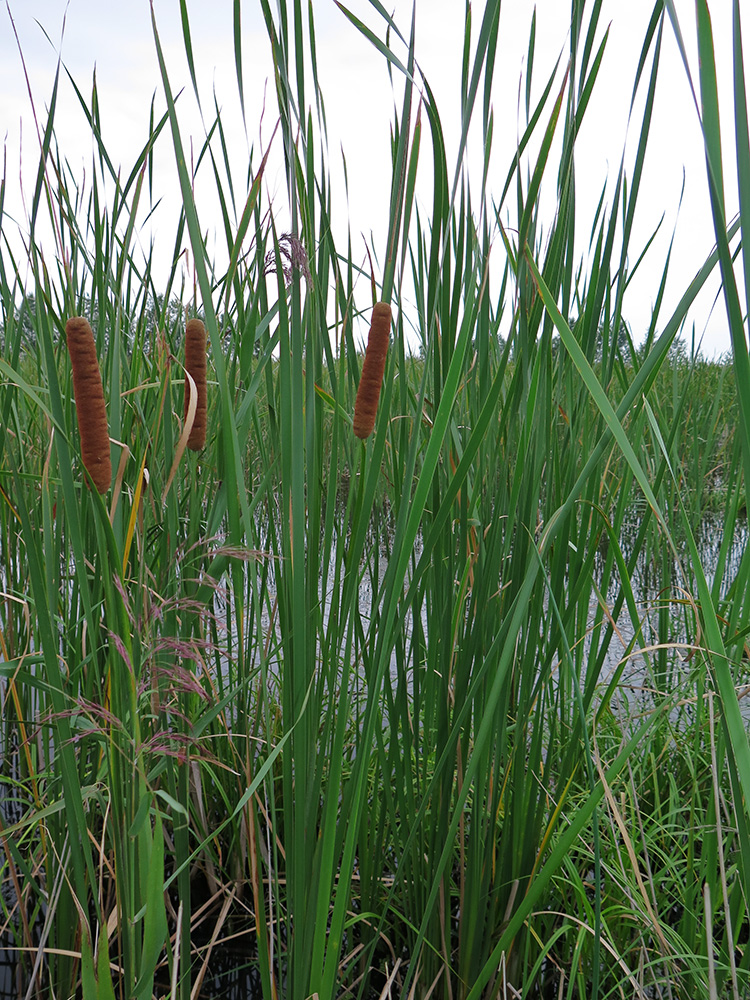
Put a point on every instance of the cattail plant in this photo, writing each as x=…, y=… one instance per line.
x=368, y=394
x=90, y=406
x=195, y=365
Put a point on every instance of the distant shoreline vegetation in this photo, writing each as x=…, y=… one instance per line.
x=168, y=314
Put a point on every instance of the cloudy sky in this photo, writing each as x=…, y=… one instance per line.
x=117, y=39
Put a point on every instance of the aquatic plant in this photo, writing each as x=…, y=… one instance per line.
x=195, y=367
x=373, y=368
x=451, y=714
x=91, y=410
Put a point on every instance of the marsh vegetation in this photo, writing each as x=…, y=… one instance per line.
x=210, y=743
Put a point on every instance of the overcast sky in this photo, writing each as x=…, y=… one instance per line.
x=117, y=39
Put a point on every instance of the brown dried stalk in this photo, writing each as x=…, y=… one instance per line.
x=195, y=365
x=91, y=409
x=373, y=368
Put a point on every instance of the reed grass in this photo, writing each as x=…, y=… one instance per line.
x=454, y=714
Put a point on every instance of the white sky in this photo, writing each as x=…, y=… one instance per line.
x=117, y=38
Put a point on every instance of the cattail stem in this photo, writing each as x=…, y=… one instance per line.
x=91, y=409
x=195, y=365
x=373, y=369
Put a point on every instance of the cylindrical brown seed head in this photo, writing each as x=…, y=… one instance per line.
x=195, y=364
x=90, y=407
x=373, y=367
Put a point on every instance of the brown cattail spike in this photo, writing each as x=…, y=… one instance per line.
x=373, y=368
x=90, y=407
x=195, y=365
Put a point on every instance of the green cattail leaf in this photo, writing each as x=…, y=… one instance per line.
x=105, y=990
x=187, y=39
x=155, y=919
x=372, y=37
x=592, y=384
x=238, y=54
